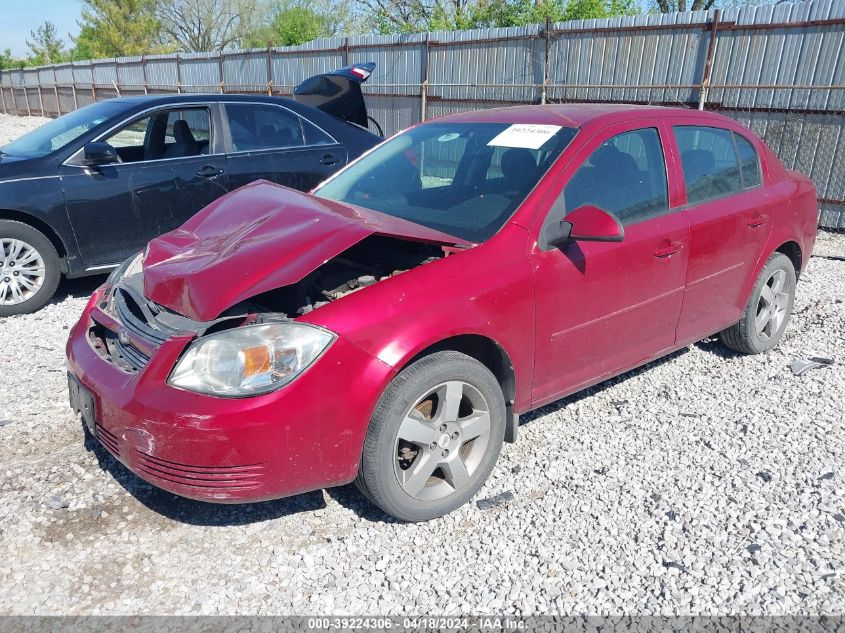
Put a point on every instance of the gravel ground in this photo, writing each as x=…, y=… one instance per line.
x=705, y=483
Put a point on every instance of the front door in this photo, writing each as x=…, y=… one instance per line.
x=605, y=307
x=270, y=142
x=168, y=171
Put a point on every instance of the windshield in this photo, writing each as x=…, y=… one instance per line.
x=57, y=133
x=464, y=179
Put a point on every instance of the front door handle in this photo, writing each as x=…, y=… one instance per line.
x=328, y=159
x=669, y=249
x=758, y=220
x=209, y=171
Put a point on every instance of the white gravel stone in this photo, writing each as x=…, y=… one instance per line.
x=639, y=496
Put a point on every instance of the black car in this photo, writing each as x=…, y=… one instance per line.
x=83, y=192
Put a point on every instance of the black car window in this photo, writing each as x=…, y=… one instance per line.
x=174, y=133
x=625, y=175
x=749, y=164
x=316, y=136
x=709, y=161
x=256, y=127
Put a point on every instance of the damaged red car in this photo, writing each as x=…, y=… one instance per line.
x=390, y=327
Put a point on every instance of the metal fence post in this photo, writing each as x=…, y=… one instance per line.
x=546, y=36
x=3, y=94
x=269, y=71
x=144, y=73
x=179, y=74
x=40, y=98
x=424, y=81
x=708, y=64
x=222, y=72
x=75, y=98
x=56, y=92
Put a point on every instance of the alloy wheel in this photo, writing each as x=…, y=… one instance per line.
x=442, y=441
x=772, y=305
x=22, y=271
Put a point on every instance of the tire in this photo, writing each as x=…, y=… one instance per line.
x=769, y=308
x=419, y=404
x=26, y=254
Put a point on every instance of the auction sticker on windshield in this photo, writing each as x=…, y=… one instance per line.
x=526, y=135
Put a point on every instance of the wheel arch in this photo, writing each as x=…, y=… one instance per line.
x=39, y=225
x=489, y=353
x=792, y=250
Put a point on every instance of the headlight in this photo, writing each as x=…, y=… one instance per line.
x=131, y=266
x=250, y=360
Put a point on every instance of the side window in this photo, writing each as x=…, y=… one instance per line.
x=164, y=134
x=625, y=175
x=314, y=135
x=256, y=127
x=749, y=163
x=709, y=161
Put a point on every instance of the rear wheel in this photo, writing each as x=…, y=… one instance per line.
x=29, y=268
x=769, y=308
x=434, y=437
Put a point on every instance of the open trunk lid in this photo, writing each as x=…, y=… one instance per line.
x=338, y=92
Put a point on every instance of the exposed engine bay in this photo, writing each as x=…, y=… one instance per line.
x=372, y=260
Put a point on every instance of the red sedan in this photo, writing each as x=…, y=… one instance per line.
x=390, y=327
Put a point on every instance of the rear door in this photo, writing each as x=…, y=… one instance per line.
x=270, y=142
x=604, y=307
x=729, y=224
x=164, y=177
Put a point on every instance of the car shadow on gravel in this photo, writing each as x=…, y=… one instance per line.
x=79, y=288
x=199, y=513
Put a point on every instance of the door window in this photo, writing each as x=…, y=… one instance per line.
x=164, y=134
x=257, y=127
x=625, y=175
x=709, y=161
x=749, y=164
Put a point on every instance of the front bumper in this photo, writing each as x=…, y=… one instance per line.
x=305, y=436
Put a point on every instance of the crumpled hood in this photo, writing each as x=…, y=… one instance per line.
x=261, y=237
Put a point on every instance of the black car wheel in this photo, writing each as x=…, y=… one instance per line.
x=29, y=268
x=434, y=437
x=768, y=310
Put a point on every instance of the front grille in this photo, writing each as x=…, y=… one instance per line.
x=134, y=313
x=121, y=353
x=220, y=478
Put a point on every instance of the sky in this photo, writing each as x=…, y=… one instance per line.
x=19, y=17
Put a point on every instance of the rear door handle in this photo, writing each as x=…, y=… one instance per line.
x=758, y=220
x=328, y=159
x=209, y=171
x=670, y=249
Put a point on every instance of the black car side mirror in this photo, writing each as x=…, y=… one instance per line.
x=585, y=224
x=99, y=153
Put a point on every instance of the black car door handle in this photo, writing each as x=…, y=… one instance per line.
x=209, y=172
x=328, y=159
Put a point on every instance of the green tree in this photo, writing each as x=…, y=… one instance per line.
x=398, y=16
x=292, y=22
x=118, y=28
x=45, y=45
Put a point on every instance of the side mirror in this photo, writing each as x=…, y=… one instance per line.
x=585, y=224
x=99, y=154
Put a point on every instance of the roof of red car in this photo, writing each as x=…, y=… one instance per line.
x=568, y=114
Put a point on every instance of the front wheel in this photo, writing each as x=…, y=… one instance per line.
x=29, y=268
x=769, y=308
x=434, y=437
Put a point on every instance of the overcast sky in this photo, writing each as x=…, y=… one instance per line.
x=19, y=17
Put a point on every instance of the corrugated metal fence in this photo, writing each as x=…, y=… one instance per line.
x=779, y=69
